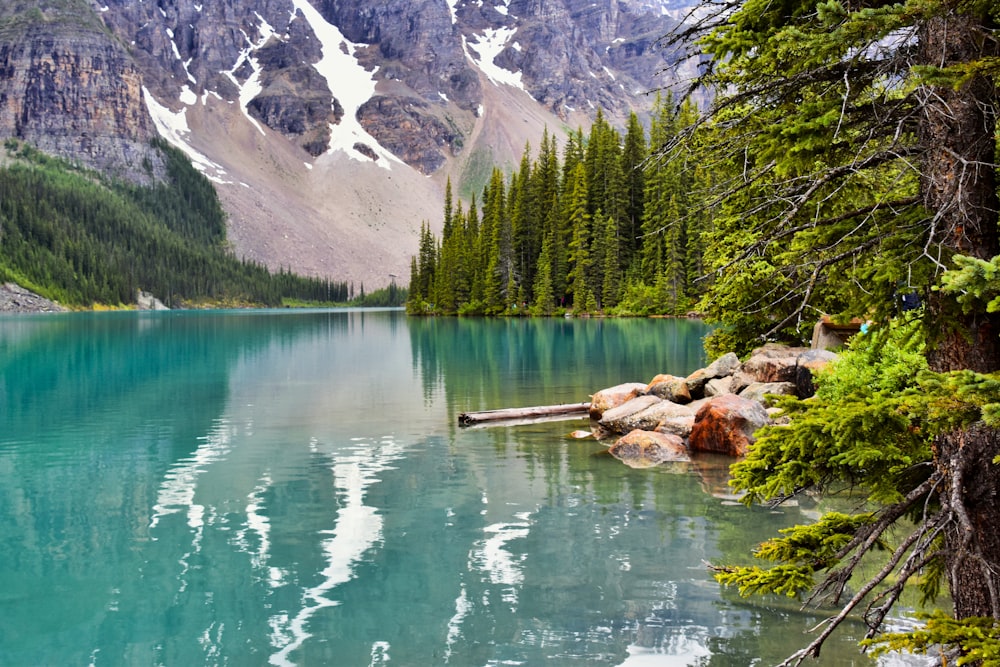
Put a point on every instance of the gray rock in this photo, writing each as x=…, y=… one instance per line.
x=616, y=419
x=612, y=397
x=16, y=299
x=680, y=426
x=725, y=365
x=758, y=390
x=648, y=416
x=740, y=381
x=717, y=386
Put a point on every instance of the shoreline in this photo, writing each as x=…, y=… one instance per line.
x=15, y=299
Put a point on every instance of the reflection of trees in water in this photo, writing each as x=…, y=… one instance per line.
x=124, y=369
x=97, y=409
x=489, y=363
x=615, y=557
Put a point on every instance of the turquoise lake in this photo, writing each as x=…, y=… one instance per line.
x=291, y=488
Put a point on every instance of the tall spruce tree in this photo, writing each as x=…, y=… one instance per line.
x=634, y=155
x=861, y=142
x=579, y=220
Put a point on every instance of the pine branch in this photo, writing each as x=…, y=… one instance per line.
x=832, y=623
x=865, y=539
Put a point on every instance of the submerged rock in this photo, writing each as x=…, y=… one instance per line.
x=644, y=449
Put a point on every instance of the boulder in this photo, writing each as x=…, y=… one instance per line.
x=726, y=424
x=809, y=363
x=758, y=390
x=615, y=418
x=669, y=388
x=717, y=386
x=740, y=381
x=725, y=365
x=768, y=368
x=680, y=425
x=831, y=335
x=780, y=363
x=643, y=449
x=778, y=351
x=612, y=397
x=646, y=418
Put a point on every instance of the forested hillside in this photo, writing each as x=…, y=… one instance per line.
x=605, y=227
x=81, y=239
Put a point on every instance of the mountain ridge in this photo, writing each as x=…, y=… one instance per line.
x=328, y=127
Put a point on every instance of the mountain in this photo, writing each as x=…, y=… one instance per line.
x=327, y=126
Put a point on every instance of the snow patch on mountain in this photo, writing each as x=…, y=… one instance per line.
x=173, y=126
x=351, y=83
x=487, y=47
x=252, y=87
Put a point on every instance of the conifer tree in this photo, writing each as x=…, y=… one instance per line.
x=634, y=154
x=427, y=264
x=497, y=245
x=661, y=183
x=580, y=282
x=612, y=270
x=851, y=131
x=526, y=221
x=544, y=296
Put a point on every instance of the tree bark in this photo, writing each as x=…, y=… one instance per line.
x=958, y=184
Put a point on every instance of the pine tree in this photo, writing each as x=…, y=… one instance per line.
x=634, y=154
x=612, y=273
x=849, y=175
x=580, y=284
x=544, y=297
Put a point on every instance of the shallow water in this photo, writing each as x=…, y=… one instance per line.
x=291, y=488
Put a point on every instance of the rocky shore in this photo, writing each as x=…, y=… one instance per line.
x=16, y=299
x=715, y=409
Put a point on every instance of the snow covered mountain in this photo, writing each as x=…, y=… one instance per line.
x=328, y=126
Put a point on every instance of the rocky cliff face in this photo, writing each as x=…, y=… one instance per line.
x=427, y=58
x=70, y=89
x=271, y=97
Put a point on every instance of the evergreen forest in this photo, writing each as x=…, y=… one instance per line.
x=81, y=240
x=600, y=225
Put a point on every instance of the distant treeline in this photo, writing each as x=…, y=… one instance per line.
x=79, y=239
x=596, y=231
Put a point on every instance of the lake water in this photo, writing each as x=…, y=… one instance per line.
x=291, y=488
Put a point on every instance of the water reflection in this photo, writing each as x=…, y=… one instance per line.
x=291, y=488
x=357, y=529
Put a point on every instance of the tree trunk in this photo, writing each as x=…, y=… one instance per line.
x=958, y=183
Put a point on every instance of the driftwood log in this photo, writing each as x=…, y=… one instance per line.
x=564, y=411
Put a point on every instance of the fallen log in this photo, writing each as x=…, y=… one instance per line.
x=564, y=411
